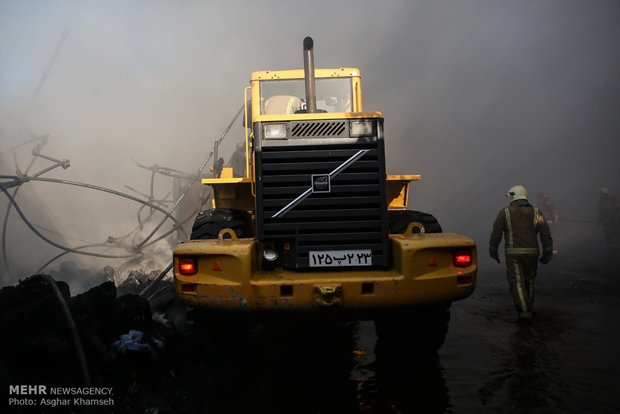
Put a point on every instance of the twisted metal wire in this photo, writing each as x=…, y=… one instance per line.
x=18, y=180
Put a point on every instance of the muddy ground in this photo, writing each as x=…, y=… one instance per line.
x=567, y=361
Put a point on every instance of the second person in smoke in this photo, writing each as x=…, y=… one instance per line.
x=520, y=224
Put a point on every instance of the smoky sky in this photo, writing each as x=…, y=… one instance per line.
x=478, y=95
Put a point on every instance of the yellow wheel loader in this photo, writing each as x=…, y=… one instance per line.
x=307, y=222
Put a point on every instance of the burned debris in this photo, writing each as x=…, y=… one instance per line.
x=109, y=334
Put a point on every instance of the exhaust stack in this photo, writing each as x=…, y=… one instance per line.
x=309, y=75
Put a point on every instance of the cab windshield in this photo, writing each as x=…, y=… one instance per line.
x=288, y=96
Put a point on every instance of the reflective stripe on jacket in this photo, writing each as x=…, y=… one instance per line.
x=520, y=224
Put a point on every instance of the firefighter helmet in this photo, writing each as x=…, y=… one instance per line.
x=518, y=192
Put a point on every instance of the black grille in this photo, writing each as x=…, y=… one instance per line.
x=320, y=129
x=349, y=217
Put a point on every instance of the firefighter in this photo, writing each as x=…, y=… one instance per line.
x=520, y=224
x=547, y=208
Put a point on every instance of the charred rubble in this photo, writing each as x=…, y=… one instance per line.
x=108, y=336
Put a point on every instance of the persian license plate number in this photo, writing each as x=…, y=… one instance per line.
x=340, y=258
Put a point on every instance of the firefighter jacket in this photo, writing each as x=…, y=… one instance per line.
x=520, y=223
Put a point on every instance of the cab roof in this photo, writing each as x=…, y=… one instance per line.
x=299, y=74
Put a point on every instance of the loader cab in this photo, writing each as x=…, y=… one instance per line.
x=285, y=97
x=280, y=96
x=281, y=93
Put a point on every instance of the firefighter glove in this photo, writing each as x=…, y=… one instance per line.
x=494, y=255
x=545, y=259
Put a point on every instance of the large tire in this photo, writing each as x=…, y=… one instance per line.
x=223, y=331
x=400, y=219
x=420, y=330
x=209, y=223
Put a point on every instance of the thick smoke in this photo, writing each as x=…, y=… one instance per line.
x=478, y=96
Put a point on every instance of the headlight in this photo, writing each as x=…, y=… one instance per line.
x=362, y=128
x=274, y=131
x=270, y=254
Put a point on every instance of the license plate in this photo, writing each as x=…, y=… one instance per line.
x=341, y=258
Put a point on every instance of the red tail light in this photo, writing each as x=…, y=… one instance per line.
x=462, y=258
x=187, y=266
